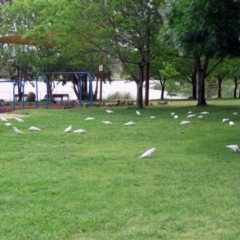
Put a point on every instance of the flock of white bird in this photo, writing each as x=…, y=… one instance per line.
x=232, y=147
x=148, y=153
x=17, y=131
x=69, y=129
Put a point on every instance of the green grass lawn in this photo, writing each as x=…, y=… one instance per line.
x=57, y=185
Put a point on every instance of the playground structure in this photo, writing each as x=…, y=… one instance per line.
x=14, y=82
x=48, y=100
x=17, y=39
x=80, y=87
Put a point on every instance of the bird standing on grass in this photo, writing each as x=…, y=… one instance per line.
x=231, y=123
x=225, y=120
x=7, y=124
x=191, y=115
x=148, y=153
x=129, y=124
x=19, y=119
x=107, y=122
x=68, y=129
x=3, y=119
x=138, y=113
x=233, y=147
x=34, y=129
x=109, y=111
x=80, y=131
x=184, y=122
x=17, y=131
x=89, y=118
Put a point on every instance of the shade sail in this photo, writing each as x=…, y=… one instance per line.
x=17, y=39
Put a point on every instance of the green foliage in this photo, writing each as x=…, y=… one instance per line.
x=197, y=27
x=119, y=95
x=168, y=70
x=170, y=73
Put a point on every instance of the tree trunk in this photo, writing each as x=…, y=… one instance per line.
x=162, y=92
x=194, y=85
x=220, y=87
x=162, y=83
x=201, y=73
x=139, y=99
x=235, y=89
x=139, y=83
x=235, y=92
x=74, y=81
x=20, y=93
x=96, y=90
x=50, y=90
x=201, y=89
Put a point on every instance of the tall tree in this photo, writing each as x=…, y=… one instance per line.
x=33, y=19
x=234, y=74
x=221, y=73
x=207, y=29
x=125, y=30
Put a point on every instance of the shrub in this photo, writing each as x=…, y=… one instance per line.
x=119, y=95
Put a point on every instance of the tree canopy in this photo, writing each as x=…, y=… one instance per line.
x=207, y=29
x=130, y=32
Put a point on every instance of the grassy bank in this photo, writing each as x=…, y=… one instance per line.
x=57, y=185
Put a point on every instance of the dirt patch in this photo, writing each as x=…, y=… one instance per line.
x=12, y=115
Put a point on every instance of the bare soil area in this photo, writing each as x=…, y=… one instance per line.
x=12, y=115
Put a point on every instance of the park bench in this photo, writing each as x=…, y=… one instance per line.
x=162, y=103
x=62, y=99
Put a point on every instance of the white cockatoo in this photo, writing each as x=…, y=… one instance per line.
x=231, y=123
x=17, y=131
x=19, y=119
x=80, y=131
x=233, y=147
x=184, y=122
x=138, y=113
x=148, y=153
x=175, y=116
x=68, y=129
x=200, y=116
x=89, y=118
x=7, y=124
x=129, y=124
x=109, y=111
x=205, y=112
x=152, y=117
x=191, y=115
x=34, y=129
x=225, y=120
x=3, y=119
x=107, y=122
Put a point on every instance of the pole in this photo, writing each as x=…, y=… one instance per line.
x=147, y=85
x=147, y=68
x=101, y=77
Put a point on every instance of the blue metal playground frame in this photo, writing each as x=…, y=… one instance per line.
x=81, y=74
x=15, y=82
